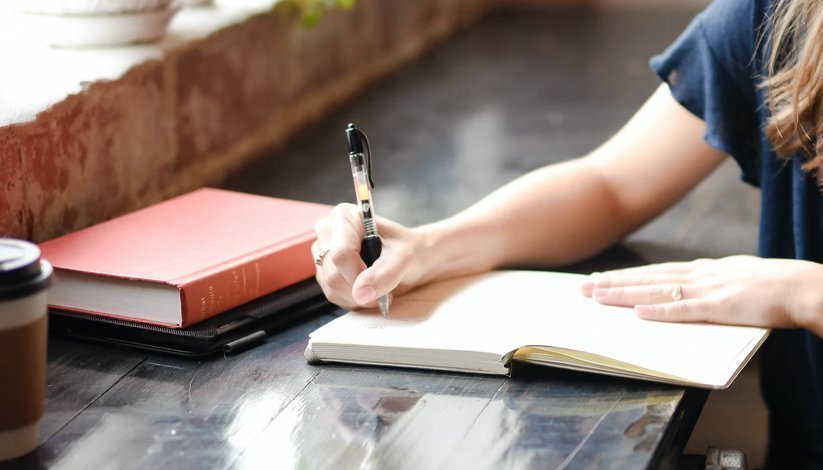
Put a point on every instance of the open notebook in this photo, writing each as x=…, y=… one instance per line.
x=480, y=323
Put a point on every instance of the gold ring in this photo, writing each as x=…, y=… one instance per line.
x=320, y=256
x=677, y=292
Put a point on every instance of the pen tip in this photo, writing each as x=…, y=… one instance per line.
x=383, y=303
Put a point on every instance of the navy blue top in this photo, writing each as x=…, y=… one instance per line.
x=713, y=70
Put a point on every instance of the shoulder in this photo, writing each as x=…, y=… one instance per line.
x=734, y=16
x=713, y=69
x=735, y=31
x=721, y=46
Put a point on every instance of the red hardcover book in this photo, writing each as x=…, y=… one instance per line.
x=186, y=259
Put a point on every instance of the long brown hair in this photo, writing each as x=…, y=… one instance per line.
x=795, y=81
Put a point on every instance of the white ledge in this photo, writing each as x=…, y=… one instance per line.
x=35, y=76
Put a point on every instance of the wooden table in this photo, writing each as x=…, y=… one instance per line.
x=516, y=91
x=266, y=408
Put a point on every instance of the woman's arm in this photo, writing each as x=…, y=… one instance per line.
x=555, y=215
x=567, y=212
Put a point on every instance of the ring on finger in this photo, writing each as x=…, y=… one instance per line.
x=677, y=292
x=320, y=256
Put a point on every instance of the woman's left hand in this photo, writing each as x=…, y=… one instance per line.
x=738, y=290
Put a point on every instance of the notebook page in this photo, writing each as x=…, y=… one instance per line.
x=505, y=310
x=452, y=315
x=555, y=313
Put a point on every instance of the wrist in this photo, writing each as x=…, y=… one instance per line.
x=450, y=248
x=809, y=311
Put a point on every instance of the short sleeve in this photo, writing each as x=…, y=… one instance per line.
x=712, y=70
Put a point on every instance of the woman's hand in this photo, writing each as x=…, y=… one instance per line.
x=342, y=274
x=738, y=290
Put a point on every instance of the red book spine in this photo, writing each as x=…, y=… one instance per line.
x=227, y=286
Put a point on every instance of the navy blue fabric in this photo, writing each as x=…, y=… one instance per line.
x=713, y=70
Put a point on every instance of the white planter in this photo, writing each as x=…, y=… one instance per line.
x=245, y=5
x=73, y=23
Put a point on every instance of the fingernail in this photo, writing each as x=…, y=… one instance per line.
x=601, y=292
x=365, y=294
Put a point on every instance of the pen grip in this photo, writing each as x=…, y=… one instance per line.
x=370, y=250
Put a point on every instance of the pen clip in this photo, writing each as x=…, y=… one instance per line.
x=367, y=156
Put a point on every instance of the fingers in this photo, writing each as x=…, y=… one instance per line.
x=342, y=274
x=642, y=295
x=689, y=310
x=339, y=236
x=653, y=274
x=344, y=242
x=334, y=285
x=650, y=274
x=661, y=302
x=387, y=272
x=660, y=292
x=609, y=280
x=380, y=279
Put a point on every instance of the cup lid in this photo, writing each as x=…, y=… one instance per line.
x=22, y=272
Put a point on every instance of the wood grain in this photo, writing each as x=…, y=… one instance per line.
x=518, y=90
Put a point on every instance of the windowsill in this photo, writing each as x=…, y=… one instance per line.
x=36, y=77
x=89, y=134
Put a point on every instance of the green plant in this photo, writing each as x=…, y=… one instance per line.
x=312, y=11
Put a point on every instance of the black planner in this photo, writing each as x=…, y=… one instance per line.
x=228, y=332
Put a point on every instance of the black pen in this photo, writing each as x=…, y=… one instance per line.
x=371, y=247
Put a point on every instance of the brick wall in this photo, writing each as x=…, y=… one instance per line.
x=171, y=125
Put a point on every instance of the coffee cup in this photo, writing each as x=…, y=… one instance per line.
x=24, y=279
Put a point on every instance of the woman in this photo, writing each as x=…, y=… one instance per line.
x=744, y=79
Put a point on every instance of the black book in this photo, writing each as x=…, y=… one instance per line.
x=228, y=332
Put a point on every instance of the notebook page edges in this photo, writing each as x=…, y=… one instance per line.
x=552, y=312
x=584, y=361
x=697, y=353
x=425, y=325
x=436, y=359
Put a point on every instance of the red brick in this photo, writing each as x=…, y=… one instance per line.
x=98, y=154
x=11, y=188
x=208, y=106
x=225, y=87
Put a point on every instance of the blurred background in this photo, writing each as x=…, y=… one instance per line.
x=106, y=107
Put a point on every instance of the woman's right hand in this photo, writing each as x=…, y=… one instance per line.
x=344, y=277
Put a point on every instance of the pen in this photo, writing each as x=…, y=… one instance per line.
x=371, y=246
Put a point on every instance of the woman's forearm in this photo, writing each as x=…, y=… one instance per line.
x=553, y=216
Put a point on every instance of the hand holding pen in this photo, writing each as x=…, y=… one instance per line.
x=360, y=159
x=344, y=276
x=344, y=254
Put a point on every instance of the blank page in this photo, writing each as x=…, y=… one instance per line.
x=502, y=311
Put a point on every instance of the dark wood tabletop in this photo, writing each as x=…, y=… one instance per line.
x=515, y=91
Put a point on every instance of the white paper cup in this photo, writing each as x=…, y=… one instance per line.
x=24, y=278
